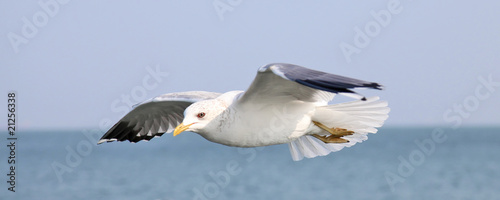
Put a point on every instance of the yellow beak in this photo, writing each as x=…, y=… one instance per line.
x=179, y=129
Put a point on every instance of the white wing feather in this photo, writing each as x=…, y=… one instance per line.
x=362, y=117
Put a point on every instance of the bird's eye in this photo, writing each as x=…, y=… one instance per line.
x=201, y=115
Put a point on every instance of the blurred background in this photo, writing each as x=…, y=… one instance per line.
x=78, y=66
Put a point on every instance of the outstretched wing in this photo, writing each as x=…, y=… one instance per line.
x=154, y=117
x=281, y=81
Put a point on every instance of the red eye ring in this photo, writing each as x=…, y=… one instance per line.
x=201, y=115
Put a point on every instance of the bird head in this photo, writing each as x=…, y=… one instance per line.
x=199, y=114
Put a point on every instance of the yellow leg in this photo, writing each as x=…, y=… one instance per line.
x=336, y=134
x=330, y=139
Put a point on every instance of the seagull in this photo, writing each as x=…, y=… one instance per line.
x=285, y=104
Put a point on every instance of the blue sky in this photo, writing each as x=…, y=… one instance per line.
x=76, y=64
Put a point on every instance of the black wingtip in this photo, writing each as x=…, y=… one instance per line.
x=373, y=85
x=376, y=86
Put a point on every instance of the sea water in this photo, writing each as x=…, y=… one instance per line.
x=395, y=163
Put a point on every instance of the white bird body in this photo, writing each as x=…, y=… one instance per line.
x=284, y=104
x=278, y=124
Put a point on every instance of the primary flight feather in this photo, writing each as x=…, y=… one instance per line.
x=284, y=104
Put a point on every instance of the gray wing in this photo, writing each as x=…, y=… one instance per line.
x=281, y=81
x=154, y=117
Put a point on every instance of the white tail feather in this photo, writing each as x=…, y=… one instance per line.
x=362, y=117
